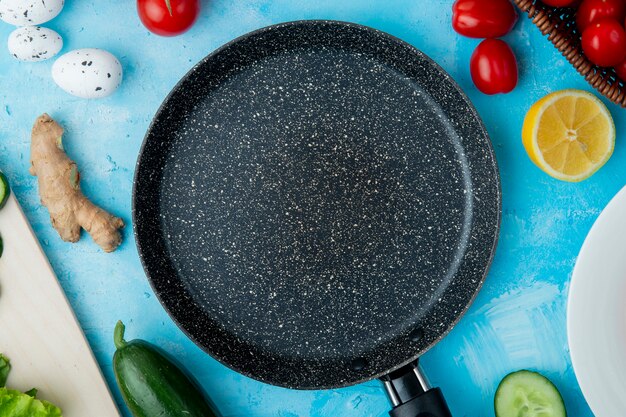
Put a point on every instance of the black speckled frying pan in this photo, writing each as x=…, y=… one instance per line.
x=316, y=204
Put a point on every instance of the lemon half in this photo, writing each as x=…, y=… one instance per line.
x=569, y=134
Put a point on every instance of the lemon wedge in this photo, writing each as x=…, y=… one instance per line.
x=569, y=134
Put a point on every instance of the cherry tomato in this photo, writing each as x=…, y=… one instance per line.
x=483, y=18
x=604, y=43
x=561, y=3
x=156, y=16
x=493, y=67
x=620, y=69
x=595, y=10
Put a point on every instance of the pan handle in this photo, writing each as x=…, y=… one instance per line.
x=411, y=394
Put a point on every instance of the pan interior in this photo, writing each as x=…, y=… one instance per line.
x=307, y=213
x=315, y=203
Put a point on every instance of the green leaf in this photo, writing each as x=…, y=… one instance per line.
x=17, y=404
x=5, y=366
x=5, y=189
x=169, y=6
x=32, y=392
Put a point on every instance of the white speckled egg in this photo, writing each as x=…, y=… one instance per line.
x=88, y=73
x=29, y=12
x=34, y=43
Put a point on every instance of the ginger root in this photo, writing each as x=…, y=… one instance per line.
x=59, y=189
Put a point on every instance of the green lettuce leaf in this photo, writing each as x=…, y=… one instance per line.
x=5, y=368
x=32, y=392
x=17, y=404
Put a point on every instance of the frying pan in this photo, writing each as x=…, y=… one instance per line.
x=316, y=204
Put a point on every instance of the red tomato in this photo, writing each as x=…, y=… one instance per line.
x=155, y=15
x=604, y=43
x=595, y=10
x=621, y=70
x=560, y=3
x=493, y=67
x=483, y=18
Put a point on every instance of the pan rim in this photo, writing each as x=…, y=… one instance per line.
x=482, y=133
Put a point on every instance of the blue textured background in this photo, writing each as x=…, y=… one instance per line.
x=518, y=320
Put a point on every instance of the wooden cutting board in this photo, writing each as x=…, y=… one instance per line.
x=38, y=330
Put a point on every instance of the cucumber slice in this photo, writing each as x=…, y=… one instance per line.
x=528, y=394
x=5, y=190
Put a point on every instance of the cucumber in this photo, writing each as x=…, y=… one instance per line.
x=5, y=190
x=152, y=385
x=528, y=394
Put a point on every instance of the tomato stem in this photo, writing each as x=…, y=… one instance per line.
x=169, y=6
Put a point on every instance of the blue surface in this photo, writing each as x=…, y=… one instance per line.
x=517, y=321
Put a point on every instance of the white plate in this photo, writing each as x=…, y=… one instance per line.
x=596, y=312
